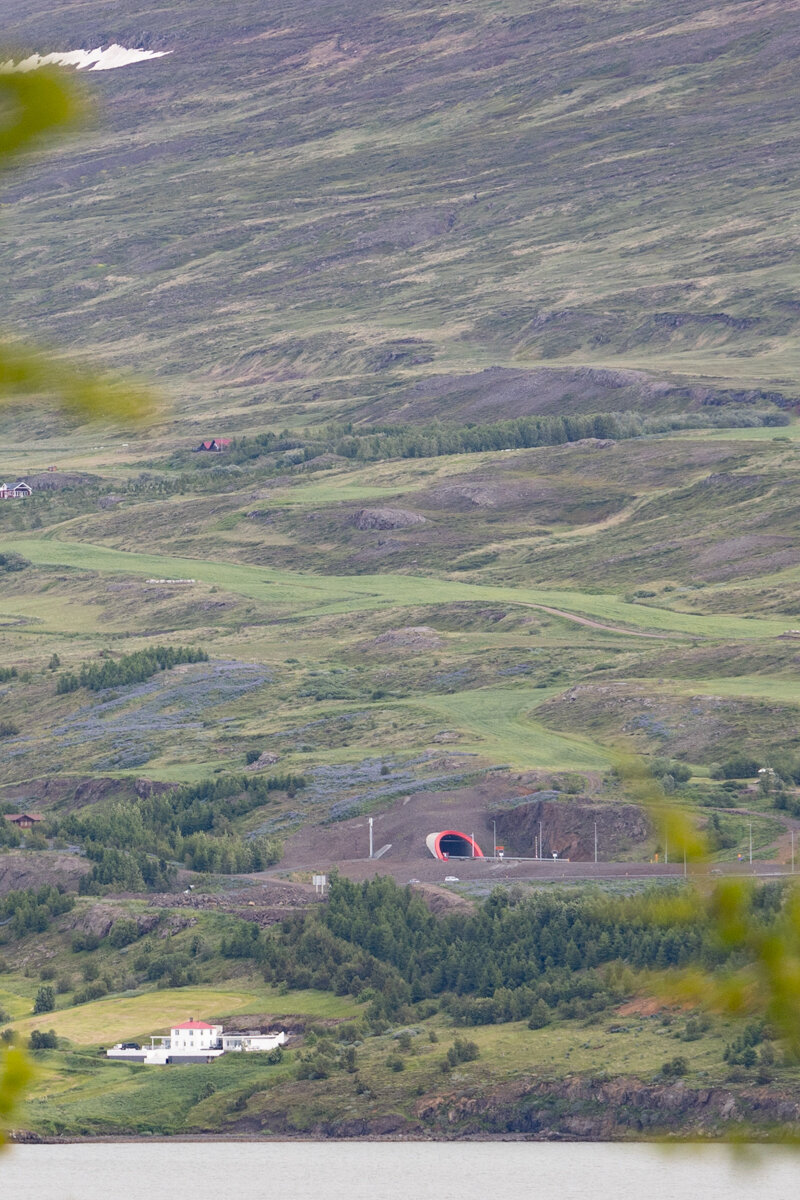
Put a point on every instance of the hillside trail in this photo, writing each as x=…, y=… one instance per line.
x=592, y=624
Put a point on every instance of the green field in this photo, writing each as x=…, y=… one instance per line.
x=103, y=1022
x=500, y=725
x=315, y=596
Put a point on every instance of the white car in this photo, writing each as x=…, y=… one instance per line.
x=451, y=879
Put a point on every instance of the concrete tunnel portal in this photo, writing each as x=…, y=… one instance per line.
x=450, y=843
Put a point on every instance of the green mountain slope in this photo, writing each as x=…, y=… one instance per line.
x=300, y=207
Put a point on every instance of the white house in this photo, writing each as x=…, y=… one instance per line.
x=20, y=491
x=194, y=1037
x=195, y=1042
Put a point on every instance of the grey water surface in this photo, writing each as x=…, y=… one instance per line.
x=394, y=1171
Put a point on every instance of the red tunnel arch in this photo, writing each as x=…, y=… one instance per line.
x=456, y=845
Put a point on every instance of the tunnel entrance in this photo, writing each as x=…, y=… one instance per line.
x=452, y=844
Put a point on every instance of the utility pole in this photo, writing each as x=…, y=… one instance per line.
x=684, y=862
x=793, y=852
x=666, y=849
x=595, y=841
x=494, y=828
x=370, y=837
x=751, y=841
x=541, y=847
x=473, y=843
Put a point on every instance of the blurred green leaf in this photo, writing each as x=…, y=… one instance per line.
x=16, y=1073
x=35, y=104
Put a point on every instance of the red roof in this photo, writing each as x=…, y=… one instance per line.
x=193, y=1025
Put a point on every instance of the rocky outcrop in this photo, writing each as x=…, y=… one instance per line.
x=387, y=518
x=267, y=759
x=412, y=637
x=34, y=868
x=580, y=1108
x=567, y=827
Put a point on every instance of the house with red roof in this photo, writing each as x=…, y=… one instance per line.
x=195, y=1037
x=195, y=1042
x=23, y=820
x=215, y=445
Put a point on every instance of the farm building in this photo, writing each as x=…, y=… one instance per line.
x=20, y=491
x=215, y=445
x=195, y=1042
x=23, y=820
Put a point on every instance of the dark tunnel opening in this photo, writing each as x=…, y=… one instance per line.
x=455, y=846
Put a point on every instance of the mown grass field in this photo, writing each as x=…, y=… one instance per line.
x=123, y=1018
x=500, y=724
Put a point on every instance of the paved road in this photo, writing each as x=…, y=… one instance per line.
x=496, y=871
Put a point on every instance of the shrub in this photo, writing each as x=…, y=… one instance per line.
x=84, y=941
x=45, y=999
x=395, y=1063
x=740, y=767
x=122, y=933
x=8, y=728
x=675, y=1067
x=540, y=1016
x=42, y=1041
x=9, y=561
x=92, y=991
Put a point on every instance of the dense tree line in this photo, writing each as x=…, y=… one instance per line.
x=532, y=958
x=30, y=910
x=131, y=668
x=132, y=843
x=377, y=442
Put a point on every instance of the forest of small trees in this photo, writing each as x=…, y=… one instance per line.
x=532, y=958
x=30, y=910
x=130, y=668
x=136, y=844
x=378, y=442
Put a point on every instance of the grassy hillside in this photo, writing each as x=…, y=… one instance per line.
x=496, y=303
x=294, y=212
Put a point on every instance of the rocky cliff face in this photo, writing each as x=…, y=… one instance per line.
x=580, y=1108
x=568, y=828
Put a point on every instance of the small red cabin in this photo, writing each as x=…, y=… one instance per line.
x=23, y=820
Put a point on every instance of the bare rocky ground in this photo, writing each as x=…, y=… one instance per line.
x=21, y=869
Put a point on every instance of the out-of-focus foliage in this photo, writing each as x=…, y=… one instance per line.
x=38, y=102
x=758, y=929
x=33, y=106
x=15, y=1075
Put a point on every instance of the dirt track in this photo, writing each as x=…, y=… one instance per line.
x=560, y=612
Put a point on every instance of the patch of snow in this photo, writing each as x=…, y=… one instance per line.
x=85, y=60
